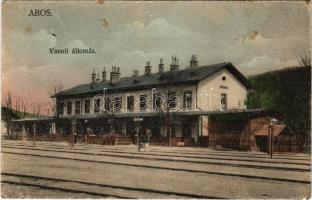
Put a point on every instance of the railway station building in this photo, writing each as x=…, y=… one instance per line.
x=179, y=104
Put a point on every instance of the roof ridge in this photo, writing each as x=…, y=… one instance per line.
x=185, y=75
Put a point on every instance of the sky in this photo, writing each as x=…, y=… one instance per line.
x=255, y=36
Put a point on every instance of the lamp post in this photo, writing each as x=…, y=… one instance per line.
x=73, y=122
x=272, y=123
x=137, y=121
x=87, y=132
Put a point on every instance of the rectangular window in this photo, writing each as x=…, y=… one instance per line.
x=143, y=102
x=130, y=103
x=157, y=99
x=69, y=108
x=77, y=107
x=60, y=108
x=97, y=104
x=187, y=100
x=107, y=103
x=223, y=101
x=116, y=103
x=172, y=100
x=87, y=106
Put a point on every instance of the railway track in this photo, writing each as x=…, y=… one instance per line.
x=205, y=157
x=94, y=189
x=219, y=153
x=166, y=159
x=252, y=177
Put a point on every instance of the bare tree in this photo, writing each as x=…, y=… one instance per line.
x=17, y=106
x=8, y=116
x=56, y=88
x=167, y=111
x=305, y=59
x=24, y=107
x=36, y=109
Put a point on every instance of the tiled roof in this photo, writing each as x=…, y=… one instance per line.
x=187, y=75
x=264, y=130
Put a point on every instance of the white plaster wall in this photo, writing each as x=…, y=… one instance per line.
x=236, y=92
x=149, y=93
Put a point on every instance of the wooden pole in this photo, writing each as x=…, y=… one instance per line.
x=34, y=136
x=72, y=136
x=23, y=132
x=271, y=140
x=50, y=135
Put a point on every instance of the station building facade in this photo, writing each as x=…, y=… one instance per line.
x=175, y=103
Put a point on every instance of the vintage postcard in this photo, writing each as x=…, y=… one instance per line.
x=156, y=99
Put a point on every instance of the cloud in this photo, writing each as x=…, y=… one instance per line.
x=254, y=38
x=77, y=44
x=28, y=48
x=262, y=61
x=267, y=36
x=32, y=49
x=265, y=63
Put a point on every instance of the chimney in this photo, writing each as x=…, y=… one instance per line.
x=114, y=75
x=161, y=66
x=135, y=73
x=104, y=75
x=98, y=78
x=174, y=64
x=148, y=68
x=93, y=75
x=193, y=62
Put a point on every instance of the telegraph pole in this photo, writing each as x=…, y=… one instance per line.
x=34, y=135
x=72, y=139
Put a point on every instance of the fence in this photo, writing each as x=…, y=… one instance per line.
x=229, y=140
x=285, y=143
x=111, y=139
x=94, y=139
x=175, y=141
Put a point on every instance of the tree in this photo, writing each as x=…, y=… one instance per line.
x=24, y=107
x=56, y=88
x=8, y=116
x=305, y=60
x=168, y=110
x=17, y=106
x=21, y=106
x=286, y=92
x=36, y=109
